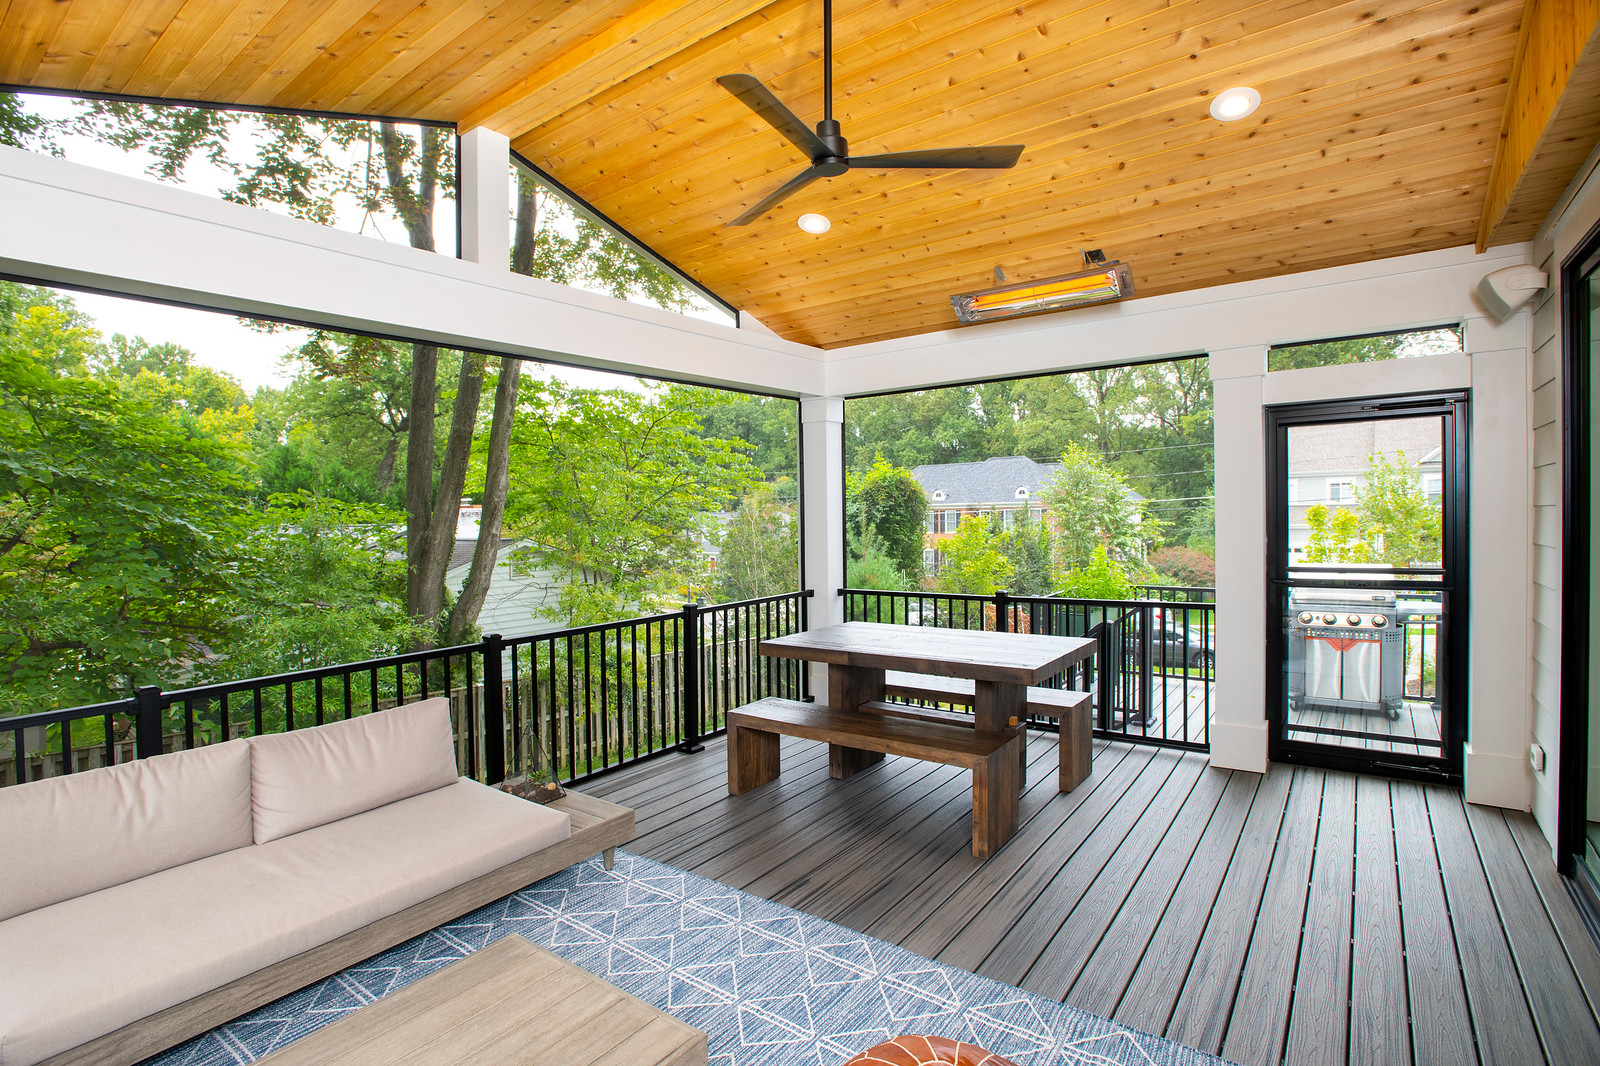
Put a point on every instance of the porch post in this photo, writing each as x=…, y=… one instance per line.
x=822, y=517
x=1239, y=733
x=486, y=198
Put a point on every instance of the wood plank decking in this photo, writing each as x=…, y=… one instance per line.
x=1301, y=916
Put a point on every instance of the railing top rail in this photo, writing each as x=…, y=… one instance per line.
x=66, y=714
x=967, y=597
x=293, y=677
x=642, y=620
x=805, y=593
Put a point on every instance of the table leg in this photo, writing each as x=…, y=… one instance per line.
x=995, y=705
x=848, y=688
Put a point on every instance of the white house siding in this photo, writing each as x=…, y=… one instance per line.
x=1555, y=242
x=518, y=603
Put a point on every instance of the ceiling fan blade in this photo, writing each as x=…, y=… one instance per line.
x=789, y=188
x=759, y=98
x=991, y=157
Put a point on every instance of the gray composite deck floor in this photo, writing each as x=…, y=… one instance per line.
x=1305, y=916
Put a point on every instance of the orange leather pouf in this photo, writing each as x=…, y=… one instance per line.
x=927, y=1051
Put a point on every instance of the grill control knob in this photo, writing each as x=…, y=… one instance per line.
x=1379, y=621
x=1306, y=618
x=1330, y=619
x=1352, y=619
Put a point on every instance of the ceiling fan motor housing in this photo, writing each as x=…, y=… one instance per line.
x=835, y=162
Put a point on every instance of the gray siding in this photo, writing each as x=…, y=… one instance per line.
x=1546, y=601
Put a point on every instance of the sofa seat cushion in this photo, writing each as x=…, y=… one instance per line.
x=98, y=962
x=71, y=835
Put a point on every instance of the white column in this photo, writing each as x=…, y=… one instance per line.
x=1500, y=509
x=1239, y=731
x=485, y=193
x=822, y=517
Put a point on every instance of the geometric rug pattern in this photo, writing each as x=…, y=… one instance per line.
x=770, y=985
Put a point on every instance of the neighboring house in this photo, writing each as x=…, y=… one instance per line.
x=1005, y=484
x=1329, y=464
x=520, y=601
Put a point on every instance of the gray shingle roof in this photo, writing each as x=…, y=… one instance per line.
x=993, y=481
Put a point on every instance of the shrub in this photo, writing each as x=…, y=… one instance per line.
x=1187, y=567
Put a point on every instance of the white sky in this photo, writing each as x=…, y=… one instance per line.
x=221, y=341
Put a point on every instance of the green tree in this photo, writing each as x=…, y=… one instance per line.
x=973, y=561
x=1089, y=506
x=1402, y=524
x=322, y=582
x=1370, y=349
x=1027, y=545
x=760, y=548
x=617, y=490
x=120, y=523
x=871, y=567
x=1336, y=536
x=1393, y=522
x=1099, y=578
x=890, y=502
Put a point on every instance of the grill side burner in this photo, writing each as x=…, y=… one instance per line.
x=1346, y=651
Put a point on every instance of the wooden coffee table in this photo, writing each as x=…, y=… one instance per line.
x=512, y=1004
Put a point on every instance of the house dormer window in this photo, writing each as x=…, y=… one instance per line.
x=1022, y=492
x=938, y=494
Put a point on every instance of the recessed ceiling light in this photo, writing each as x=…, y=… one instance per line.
x=815, y=223
x=1233, y=104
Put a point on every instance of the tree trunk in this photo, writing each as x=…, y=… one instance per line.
x=419, y=478
x=496, y=484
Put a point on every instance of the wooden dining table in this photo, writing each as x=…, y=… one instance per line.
x=1000, y=665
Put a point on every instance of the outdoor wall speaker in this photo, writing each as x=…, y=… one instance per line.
x=1505, y=291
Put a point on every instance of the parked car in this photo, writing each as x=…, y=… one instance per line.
x=1174, y=646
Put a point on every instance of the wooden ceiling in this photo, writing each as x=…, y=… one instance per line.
x=1376, y=136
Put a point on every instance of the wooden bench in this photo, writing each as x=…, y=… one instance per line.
x=1071, y=707
x=856, y=739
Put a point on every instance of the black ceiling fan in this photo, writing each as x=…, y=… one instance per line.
x=828, y=149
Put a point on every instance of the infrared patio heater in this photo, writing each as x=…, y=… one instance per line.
x=1346, y=651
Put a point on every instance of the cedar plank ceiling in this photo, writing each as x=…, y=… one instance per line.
x=1375, y=138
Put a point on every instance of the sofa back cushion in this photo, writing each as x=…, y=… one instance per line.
x=310, y=777
x=65, y=837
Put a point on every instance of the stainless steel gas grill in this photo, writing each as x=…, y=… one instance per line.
x=1345, y=651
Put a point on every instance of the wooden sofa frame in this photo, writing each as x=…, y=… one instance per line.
x=598, y=827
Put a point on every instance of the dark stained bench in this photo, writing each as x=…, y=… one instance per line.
x=856, y=739
x=1070, y=706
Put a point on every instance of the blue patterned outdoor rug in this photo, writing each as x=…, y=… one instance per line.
x=770, y=985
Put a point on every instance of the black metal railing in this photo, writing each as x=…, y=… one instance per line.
x=594, y=698
x=1154, y=671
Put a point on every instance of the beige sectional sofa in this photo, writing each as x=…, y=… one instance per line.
x=145, y=903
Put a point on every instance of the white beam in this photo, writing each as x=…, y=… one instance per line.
x=1429, y=289
x=484, y=157
x=85, y=228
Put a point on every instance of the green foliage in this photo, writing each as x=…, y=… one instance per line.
x=1027, y=546
x=19, y=129
x=1398, y=519
x=120, y=523
x=1100, y=578
x=1371, y=349
x=760, y=548
x=1393, y=522
x=615, y=492
x=1336, y=536
x=974, y=562
x=769, y=424
x=890, y=503
x=325, y=582
x=1089, y=508
x=871, y=567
